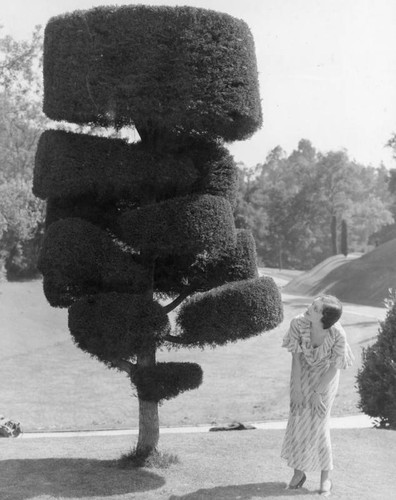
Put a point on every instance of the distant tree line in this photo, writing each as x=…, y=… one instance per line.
x=307, y=206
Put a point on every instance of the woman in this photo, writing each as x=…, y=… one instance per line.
x=319, y=348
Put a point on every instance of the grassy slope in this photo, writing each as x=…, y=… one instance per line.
x=364, y=280
x=86, y=468
x=47, y=383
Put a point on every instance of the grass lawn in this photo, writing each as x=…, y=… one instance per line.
x=243, y=465
x=49, y=384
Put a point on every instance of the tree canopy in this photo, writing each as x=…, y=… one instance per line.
x=289, y=203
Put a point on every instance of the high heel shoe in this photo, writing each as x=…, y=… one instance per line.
x=297, y=485
x=326, y=492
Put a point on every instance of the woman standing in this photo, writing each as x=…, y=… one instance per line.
x=319, y=348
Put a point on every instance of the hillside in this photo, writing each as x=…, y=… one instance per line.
x=360, y=280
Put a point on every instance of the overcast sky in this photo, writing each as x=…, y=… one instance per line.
x=327, y=69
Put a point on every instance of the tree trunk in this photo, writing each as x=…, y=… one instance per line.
x=148, y=428
x=334, y=235
x=280, y=261
x=344, y=238
x=148, y=416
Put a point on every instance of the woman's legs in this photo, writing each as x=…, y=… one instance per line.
x=325, y=483
x=297, y=480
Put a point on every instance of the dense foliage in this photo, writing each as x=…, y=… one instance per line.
x=290, y=202
x=226, y=314
x=376, y=380
x=166, y=380
x=180, y=225
x=111, y=325
x=78, y=257
x=181, y=70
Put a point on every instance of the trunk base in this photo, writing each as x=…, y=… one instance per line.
x=154, y=459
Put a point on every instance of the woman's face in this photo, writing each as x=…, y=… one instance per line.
x=314, y=311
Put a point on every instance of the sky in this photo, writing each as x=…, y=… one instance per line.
x=327, y=69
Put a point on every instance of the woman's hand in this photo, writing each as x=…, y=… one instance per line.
x=297, y=402
x=317, y=405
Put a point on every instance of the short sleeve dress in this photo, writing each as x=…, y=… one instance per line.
x=307, y=444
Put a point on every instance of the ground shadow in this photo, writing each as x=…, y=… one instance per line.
x=243, y=492
x=71, y=478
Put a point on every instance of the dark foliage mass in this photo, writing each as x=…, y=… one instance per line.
x=180, y=226
x=204, y=271
x=78, y=258
x=112, y=325
x=179, y=69
x=376, y=380
x=72, y=165
x=229, y=313
x=86, y=207
x=218, y=173
x=166, y=380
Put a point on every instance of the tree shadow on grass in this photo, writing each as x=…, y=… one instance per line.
x=243, y=492
x=71, y=478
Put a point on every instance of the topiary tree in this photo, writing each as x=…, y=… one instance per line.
x=128, y=224
x=376, y=380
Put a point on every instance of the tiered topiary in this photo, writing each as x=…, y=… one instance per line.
x=129, y=224
x=376, y=380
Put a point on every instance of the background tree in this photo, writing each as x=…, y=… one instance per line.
x=128, y=224
x=21, y=123
x=312, y=189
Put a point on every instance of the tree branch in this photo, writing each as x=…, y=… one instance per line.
x=124, y=365
x=174, y=339
x=178, y=300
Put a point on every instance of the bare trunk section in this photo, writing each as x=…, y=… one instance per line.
x=148, y=427
x=148, y=416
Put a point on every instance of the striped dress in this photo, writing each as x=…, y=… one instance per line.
x=307, y=444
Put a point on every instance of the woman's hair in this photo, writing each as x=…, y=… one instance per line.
x=331, y=311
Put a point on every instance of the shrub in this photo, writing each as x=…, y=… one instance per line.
x=376, y=380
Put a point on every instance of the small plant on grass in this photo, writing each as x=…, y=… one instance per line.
x=376, y=380
x=129, y=224
x=157, y=460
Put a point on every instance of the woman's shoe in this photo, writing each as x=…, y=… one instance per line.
x=326, y=491
x=299, y=484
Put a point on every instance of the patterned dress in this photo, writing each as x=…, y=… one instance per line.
x=307, y=444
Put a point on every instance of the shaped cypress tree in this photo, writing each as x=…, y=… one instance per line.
x=128, y=224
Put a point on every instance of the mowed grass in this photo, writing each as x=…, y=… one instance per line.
x=49, y=384
x=243, y=465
